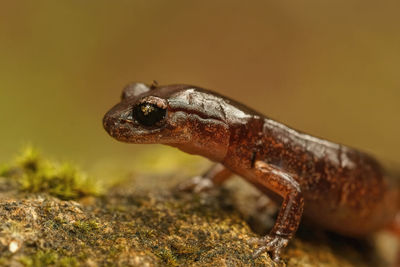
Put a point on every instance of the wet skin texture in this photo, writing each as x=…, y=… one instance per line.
x=337, y=187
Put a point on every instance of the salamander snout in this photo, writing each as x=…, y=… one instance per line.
x=110, y=123
x=116, y=124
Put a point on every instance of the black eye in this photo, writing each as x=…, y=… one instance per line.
x=148, y=114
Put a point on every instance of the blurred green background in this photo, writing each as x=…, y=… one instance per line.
x=330, y=68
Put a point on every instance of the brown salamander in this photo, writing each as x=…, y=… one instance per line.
x=339, y=188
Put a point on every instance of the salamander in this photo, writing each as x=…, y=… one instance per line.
x=337, y=187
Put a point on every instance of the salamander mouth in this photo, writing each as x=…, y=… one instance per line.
x=128, y=130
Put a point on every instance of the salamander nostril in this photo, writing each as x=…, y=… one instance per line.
x=123, y=121
x=110, y=123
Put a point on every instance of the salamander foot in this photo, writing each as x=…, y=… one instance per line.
x=196, y=185
x=272, y=243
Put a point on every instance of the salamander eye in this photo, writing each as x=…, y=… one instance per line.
x=149, y=114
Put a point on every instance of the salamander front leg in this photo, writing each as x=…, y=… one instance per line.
x=290, y=212
x=214, y=177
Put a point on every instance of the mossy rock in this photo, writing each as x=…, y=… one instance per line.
x=130, y=226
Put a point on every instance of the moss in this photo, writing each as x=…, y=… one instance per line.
x=41, y=258
x=62, y=180
x=29, y=159
x=48, y=258
x=86, y=226
x=167, y=257
x=68, y=262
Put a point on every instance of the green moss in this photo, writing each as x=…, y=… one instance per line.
x=68, y=262
x=167, y=257
x=63, y=180
x=48, y=258
x=39, y=259
x=86, y=226
x=29, y=159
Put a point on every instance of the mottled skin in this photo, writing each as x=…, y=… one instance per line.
x=337, y=187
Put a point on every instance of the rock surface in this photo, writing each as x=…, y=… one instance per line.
x=132, y=226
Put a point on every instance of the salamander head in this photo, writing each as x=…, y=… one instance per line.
x=161, y=114
x=143, y=116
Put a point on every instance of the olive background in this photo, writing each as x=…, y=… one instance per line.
x=329, y=68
